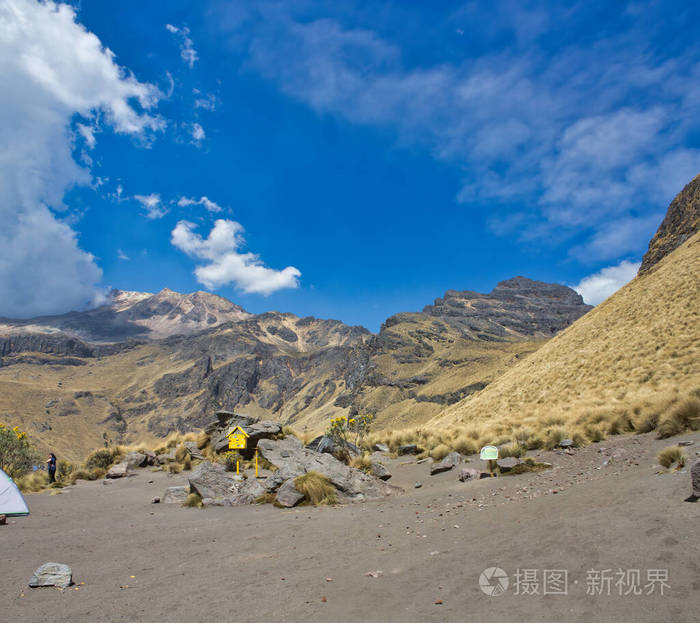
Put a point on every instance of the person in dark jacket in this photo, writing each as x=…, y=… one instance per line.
x=51, y=466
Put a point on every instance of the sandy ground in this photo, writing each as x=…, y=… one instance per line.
x=135, y=561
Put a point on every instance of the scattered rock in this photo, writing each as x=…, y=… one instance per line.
x=118, y=471
x=418, y=485
x=136, y=459
x=175, y=495
x=247, y=491
x=379, y=471
x=695, y=477
x=451, y=460
x=155, y=500
x=410, y=448
x=193, y=450
x=380, y=447
x=686, y=442
x=468, y=473
x=508, y=463
x=167, y=457
x=52, y=574
x=288, y=496
x=566, y=443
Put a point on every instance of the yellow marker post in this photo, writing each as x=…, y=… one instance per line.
x=256, y=462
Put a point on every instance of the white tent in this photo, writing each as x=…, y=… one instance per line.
x=11, y=500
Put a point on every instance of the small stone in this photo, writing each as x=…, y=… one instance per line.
x=467, y=473
x=155, y=500
x=418, y=485
x=566, y=443
x=52, y=574
x=380, y=447
x=686, y=442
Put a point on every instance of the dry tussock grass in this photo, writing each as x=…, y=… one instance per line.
x=316, y=488
x=671, y=455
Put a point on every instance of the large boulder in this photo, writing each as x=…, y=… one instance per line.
x=211, y=480
x=136, y=459
x=175, y=495
x=247, y=491
x=409, y=448
x=118, y=471
x=52, y=574
x=695, y=477
x=352, y=484
x=275, y=480
x=265, y=429
x=451, y=460
x=227, y=421
x=288, y=496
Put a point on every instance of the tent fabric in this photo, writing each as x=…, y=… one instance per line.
x=11, y=501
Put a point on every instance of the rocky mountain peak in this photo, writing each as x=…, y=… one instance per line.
x=681, y=222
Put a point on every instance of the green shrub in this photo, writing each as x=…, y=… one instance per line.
x=16, y=453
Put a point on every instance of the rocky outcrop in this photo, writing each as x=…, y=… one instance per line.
x=352, y=484
x=681, y=222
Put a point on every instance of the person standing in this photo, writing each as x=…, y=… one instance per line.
x=51, y=466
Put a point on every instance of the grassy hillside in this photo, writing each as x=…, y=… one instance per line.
x=632, y=360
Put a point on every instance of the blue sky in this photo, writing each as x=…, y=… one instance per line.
x=346, y=160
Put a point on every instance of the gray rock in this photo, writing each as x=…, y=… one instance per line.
x=265, y=429
x=695, y=477
x=451, y=460
x=247, y=491
x=380, y=447
x=418, y=485
x=211, y=480
x=468, y=473
x=167, y=457
x=193, y=450
x=175, y=495
x=508, y=462
x=118, y=471
x=326, y=444
x=288, y=454
x=379, y=471
x=151, y=458
x=275, y=480
x=566, y=443
x=410, y=448
x=136, y=459
x=52, y=574
x=686, y=442
x=288, y=496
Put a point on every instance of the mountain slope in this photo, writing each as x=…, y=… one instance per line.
x=72, y=394
x=640, y=344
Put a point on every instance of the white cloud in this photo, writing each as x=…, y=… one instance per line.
x=207, y=103
x=203, y=201
x=597, y=287
x=122, y=256
x=583, y=135
x=52, y=69
x=225, y=264
x=153, y=205
x=187, y=51
x=198, y=134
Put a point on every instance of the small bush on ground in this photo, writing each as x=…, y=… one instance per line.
x=103, y=458
x=671, y=455
x=681, y=417
x=363, y=462
x=316, y=488
x=193, y=500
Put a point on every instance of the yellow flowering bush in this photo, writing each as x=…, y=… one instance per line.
x=16, y=453
x=354, y=429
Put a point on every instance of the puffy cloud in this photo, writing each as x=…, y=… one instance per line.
x=153, y=205
x=597, y=287
x=226, y=264
x=52, y=69
x=184, y=202
x=187, y=51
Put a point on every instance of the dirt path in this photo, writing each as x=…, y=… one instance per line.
x=430, y=545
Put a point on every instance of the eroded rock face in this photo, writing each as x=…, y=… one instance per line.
x=211, y=480
x=681, y=222
x=289, y=454
x=175, y=495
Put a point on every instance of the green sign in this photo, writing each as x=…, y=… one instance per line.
x=489, y=453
